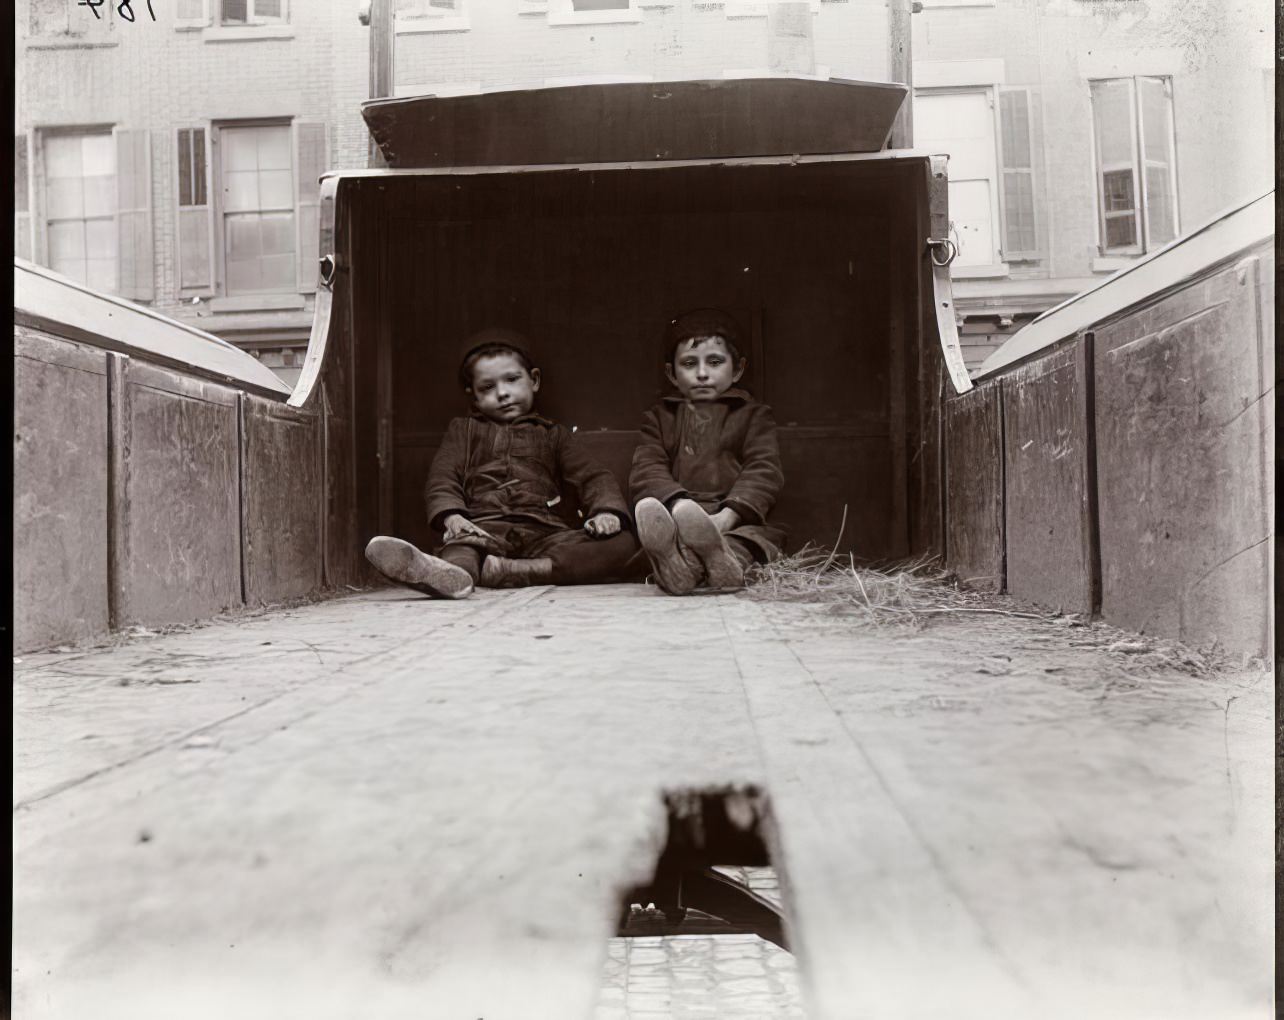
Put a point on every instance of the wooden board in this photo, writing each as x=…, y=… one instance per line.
x=282, y=495
x=374, y=805
x=1181, y=421
x=1049, y=505
x=175, y=499
x=59, y=491
x=974, y=537
x=622, y=121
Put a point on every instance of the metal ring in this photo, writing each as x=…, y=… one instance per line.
x=950, y=248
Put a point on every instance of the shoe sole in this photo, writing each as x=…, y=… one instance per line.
x=658, y=535
x=699, y=534
x=401, y=562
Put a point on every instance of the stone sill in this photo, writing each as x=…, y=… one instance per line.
x=257, y=303
x=562, y=18
x=68, y=42
x=246, y=33
x=424, y=26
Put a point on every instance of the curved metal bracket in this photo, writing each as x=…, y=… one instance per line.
x=308, y=386
x=942, y=252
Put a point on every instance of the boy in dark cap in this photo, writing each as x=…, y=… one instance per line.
x=707, y=470
x=493, y=486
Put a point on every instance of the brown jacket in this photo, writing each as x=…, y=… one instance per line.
x=722, y=453
x=487, y=472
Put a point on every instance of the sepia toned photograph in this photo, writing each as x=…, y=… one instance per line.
x=644, y=510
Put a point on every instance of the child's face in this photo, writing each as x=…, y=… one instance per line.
x=502, y=388
x=703, y=369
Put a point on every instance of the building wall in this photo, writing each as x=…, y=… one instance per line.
x=161, y=76
x=1218, y=56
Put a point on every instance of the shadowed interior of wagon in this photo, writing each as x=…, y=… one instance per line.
x=819, y=261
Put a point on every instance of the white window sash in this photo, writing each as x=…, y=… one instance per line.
x=1169, y=162
x=1138, y=210
x=198, y=20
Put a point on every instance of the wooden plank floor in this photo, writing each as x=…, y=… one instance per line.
x=384, y=806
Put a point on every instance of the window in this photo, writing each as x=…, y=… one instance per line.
x=248, y=207
x=251, y=12
x=593, y=12
x=430, y=15
x=428, y=8
x=80, y=199
x=89, y=207
x=49, y=18
x=257, y=176
x=1136, y=163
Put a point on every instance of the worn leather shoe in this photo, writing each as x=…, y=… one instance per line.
x=501, y=572
x=401, y=562
x=658, y=534
x=698, y=533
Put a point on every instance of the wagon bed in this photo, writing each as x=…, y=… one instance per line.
x=384, y=806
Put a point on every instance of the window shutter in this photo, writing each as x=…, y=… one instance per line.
x=1016, y=121
x=22, y=240
x=191, y=13
x=311, y=158
x=195, y=210
x=134, y=214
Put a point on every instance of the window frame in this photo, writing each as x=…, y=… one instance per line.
x=38, y=163
x=1144, y=243
x=562, y=12
x=214, y=154
x=252, y=18
x=102, y=33
x=458, y=21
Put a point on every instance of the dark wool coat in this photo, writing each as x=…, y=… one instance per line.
x=720, y=453
x=488, y=472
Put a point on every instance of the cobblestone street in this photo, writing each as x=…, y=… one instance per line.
x=690, y=976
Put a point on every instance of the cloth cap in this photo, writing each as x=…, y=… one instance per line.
x=701, y=322
x=493, y=335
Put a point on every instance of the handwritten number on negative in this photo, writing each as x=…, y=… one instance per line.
x=125, y=8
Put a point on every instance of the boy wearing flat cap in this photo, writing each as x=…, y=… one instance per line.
x=707, y=471
x=493, y=486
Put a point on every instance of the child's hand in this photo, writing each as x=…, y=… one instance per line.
x=602, y=525
x=457, y=525
x=724, y=520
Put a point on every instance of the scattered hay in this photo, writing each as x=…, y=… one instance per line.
x=903, y=595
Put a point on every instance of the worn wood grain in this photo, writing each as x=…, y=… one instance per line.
x=281, y=484
x=622, y=121
x=973, y=446
x=387, y=800
x=60, y=581
x=1048, y=500
x=1181, y=422
x=176, y=513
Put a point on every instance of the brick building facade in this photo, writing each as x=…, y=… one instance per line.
x=173, y=160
